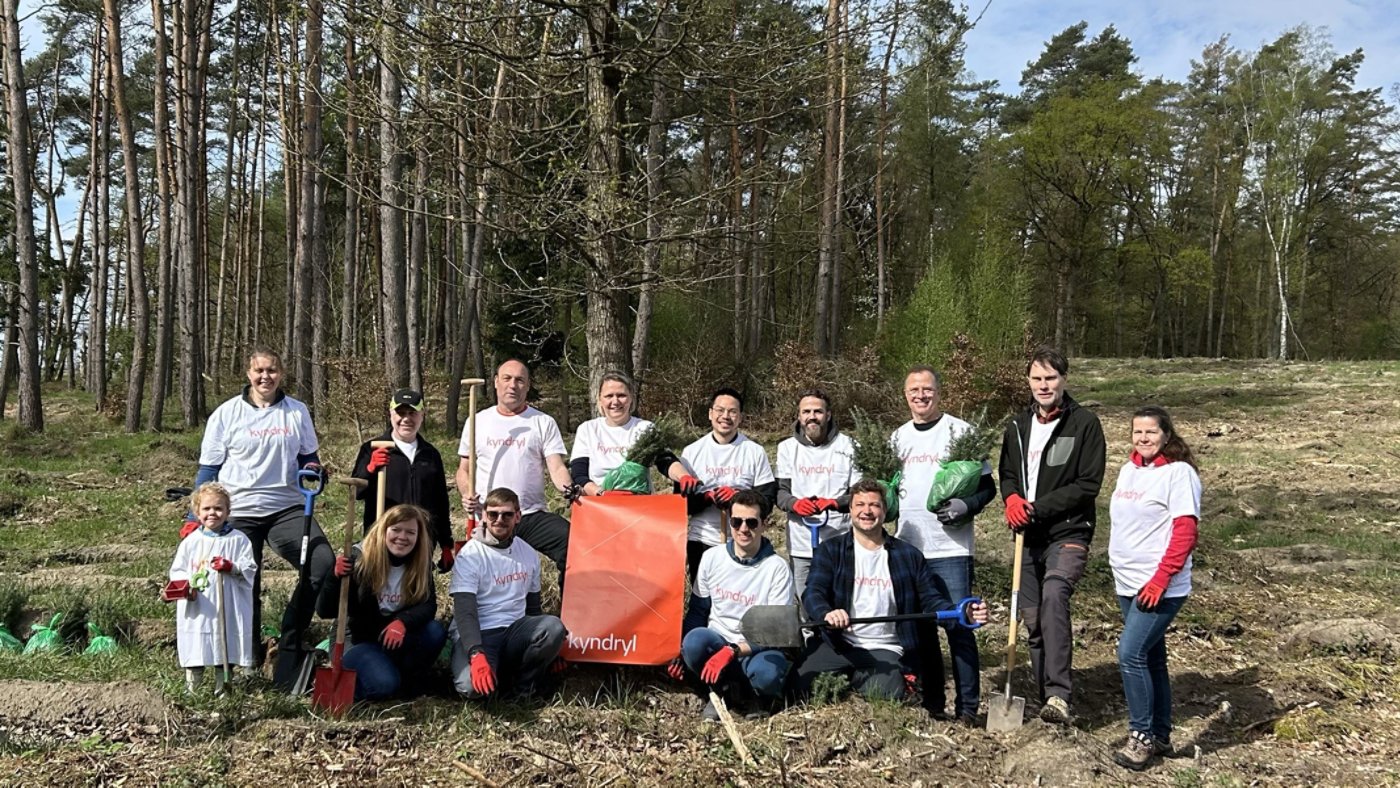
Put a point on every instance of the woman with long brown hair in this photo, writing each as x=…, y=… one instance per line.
x=393, y=634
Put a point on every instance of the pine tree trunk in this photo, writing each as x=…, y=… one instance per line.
x=651, y=255
x=826, y=241
x=392, y=262
x=307, y=266
x=165, y=286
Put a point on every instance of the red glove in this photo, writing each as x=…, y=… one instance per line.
x=676, y=670
x=483, y=677
x=1151, y=593
x=220, y=564
x=1018, y=513
x=559, y=665
x=827, y=505
x=805, y=507
x=717, y=662
x=188, y=528
x=392, y=636
x=447, y=560
x=911, y=684
x=379, y=458
x=688, y=484
x=343, y=565
x=721, y=496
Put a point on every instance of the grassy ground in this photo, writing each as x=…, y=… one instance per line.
x=1283, y=661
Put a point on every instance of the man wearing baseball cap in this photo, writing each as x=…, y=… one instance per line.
x=413, y=468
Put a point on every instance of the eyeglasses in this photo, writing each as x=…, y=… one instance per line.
x=498, y=515
x=751, y=523
x=730, y=412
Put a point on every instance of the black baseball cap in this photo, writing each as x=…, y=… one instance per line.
x=407, y=397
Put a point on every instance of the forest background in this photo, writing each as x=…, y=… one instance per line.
x=764, y=193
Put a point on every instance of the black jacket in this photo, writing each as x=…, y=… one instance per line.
x=365, y=621
x=424, y=482
x=1071, y=473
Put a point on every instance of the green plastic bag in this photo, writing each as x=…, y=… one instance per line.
x=629, y=476
x=957, y=479
x=892, y=496
x=45, y=638
x=99, y=643
x=9, y=642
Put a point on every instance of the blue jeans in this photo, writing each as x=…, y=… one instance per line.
x=954, y=578
x=1142, y=659
x=766, y=671
x=380, y=673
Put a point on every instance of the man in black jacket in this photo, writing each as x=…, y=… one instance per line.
x=1052, y=462
x=414, y=472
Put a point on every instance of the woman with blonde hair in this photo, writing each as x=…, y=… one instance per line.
x=393, y=635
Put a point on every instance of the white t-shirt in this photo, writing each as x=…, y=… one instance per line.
x=1040, y=436
x=923, y=452
x=391, y=595
x=500, y=578
x=410, y=450
x=510, y=452
x=733, y=588
x=605, y=445
x=257, y=449
x=1145, y=502
x=873, y=595
x=741, y=464
x=824, y=471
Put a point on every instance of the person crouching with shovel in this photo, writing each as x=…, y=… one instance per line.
x=392, y=603
x=502, y=644
x=211, y=580
x=864, y=574
x=733, y=577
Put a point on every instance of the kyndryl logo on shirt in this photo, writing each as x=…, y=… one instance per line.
x=606, y=450
x=270, y=432
x=505, y=442
x=882, y=583
x=1128, y=495
x=722, y=471
x=735, y=596
x=513, y=577
x=810, y=470
x=924, y=457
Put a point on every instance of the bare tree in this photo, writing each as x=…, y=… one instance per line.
x=392, y=262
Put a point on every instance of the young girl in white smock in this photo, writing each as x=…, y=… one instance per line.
x=213, y=552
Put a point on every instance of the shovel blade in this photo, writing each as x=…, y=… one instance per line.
x=774, y=626
x=334, y=690
x=1005, y=714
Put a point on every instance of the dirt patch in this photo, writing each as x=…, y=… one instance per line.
x=1343, y=635
x=34, y=713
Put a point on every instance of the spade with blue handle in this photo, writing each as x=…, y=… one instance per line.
x=779, y=626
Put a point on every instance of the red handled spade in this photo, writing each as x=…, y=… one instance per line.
x=334, y=689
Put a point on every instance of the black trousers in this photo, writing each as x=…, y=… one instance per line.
x=283, y=531
x=874, y=674
x=548, y=533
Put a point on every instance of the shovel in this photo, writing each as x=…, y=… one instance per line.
x=1006, y=712
x=293, y=670
x=780, y=626
x=334, y=689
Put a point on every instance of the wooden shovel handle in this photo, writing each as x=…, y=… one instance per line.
x=383, y=476
x=355, y=486
x=1015, y=602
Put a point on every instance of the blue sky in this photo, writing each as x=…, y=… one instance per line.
x=1167, y=35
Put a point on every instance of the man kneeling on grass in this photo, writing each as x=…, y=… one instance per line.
x=733, y=577
x=501, y=644
x=866, y=573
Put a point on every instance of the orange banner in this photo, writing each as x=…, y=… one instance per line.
x=624, y=588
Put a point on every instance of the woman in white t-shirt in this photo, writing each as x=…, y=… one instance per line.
x=1154, y=515
x=601, y=444
x=393, y=632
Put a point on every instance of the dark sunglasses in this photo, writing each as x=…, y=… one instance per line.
x=751, y=523
x=497, y=515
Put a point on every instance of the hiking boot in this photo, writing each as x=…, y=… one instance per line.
x=1055, y=710
x=1163, y=747
x=709, y=713
x=1136, y=753
x=969, y=720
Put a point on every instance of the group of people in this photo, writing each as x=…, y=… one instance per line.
x=842, y=565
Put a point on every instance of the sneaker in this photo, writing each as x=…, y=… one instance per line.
x=1055, y=710
x=709, y=713
x=1136, y=753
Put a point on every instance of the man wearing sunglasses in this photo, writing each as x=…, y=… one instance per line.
x=502, y=644
x=718, y=466
x=864, y=573
x=733, y=577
